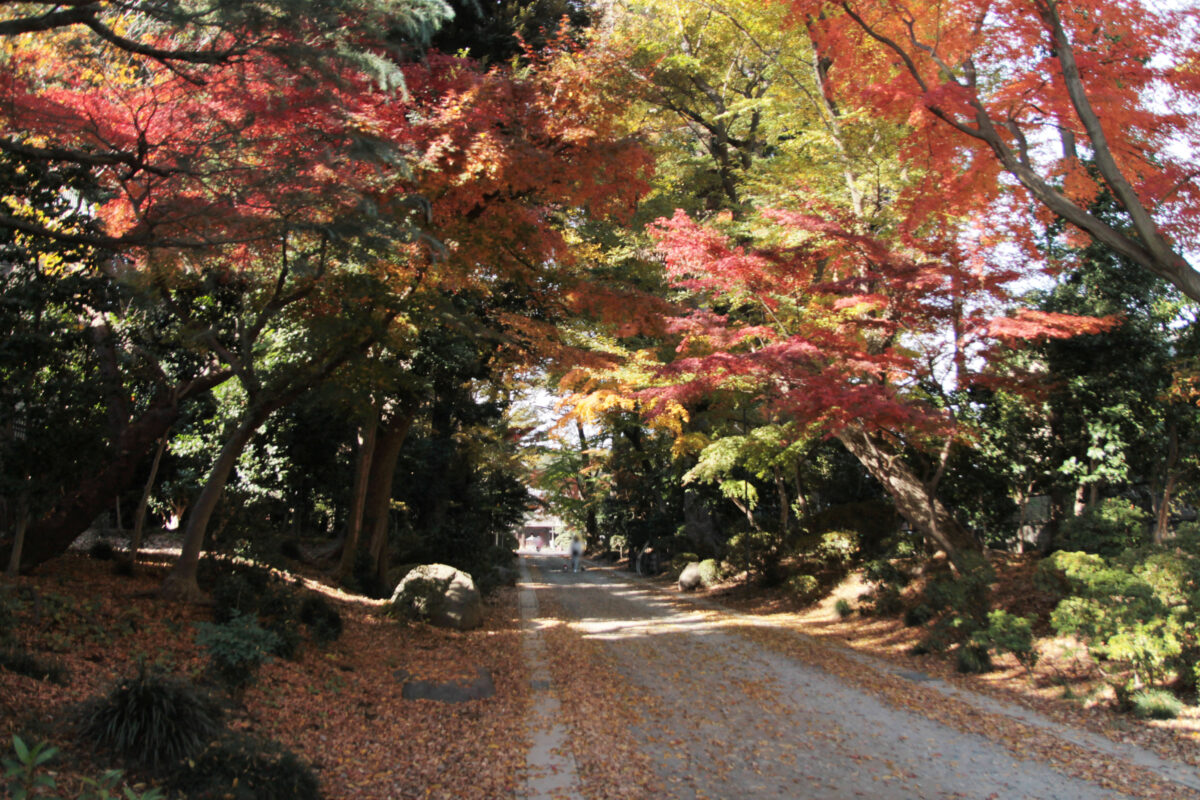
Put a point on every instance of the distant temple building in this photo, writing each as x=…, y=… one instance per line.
x=539, y=530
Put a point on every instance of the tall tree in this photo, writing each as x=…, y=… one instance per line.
x=991, y=85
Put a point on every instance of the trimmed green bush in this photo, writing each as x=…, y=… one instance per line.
x=1155, y=704
x=323, y=620
x=1106, y=529
x=258, y=591
x=972, y=659
x=843, y=608
x=804, y=587
x=838, y=548
x=241, y=767
x=710, y=572
x=1008, y=633
x=236, y=649
x=151, y=720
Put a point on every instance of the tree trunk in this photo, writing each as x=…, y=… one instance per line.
x=14, y=556
x=362, y=471
x=911, y=495
x=139, y=521
x=51, y=535
x=180, y=583
x=1163, y=522
x=389, y=441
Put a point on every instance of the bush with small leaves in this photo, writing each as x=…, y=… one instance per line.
x=236, y=649
x=102, y=550
x=843, y=608
x=804, y=587
x=241, y=767
x=710, y=572
x=838, y=548
x=323, y=620
x=918, y=615
x=1156, y=704
x=1008, y=633
x=151, y=720
x=1133, y=612
x=1106, y=528
x=973, y=659
x=259, y=591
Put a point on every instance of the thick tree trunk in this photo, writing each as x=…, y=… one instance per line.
x=180, y=583
x=388, y=443
x=911, y=495
x=362, y=471
x=51, y=535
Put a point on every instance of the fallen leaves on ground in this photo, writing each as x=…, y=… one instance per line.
x=339, y=707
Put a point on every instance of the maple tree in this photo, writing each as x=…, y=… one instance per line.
x=1064, y=100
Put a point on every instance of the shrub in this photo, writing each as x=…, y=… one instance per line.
x=1155, y=704
x=838, y=548
x=236, y=649
x=324, y=621
x=1105, y=529
x=843, y=608
x=151, y=720
x=1132, y=612
x=1008, y=633
x=972, y=659
x=884, y=601
x=241, y=767
x=260, y=592
x=32, y=666
x=102, y=550
x=805, y=587
x=710, y=572
x=964, y=601
x=918, y=615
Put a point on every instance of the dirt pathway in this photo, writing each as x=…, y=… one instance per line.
x=728, y=714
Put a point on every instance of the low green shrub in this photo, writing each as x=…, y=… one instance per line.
x=838, y=548
x=843, y=608
x=323, y=620
x=1008, y=633
x=1136, y=636
x=1155, y=704
x=804, y=587
x=237, y=649
x=918, y=615
x=151, y=720
x=247, y=589
x=25, y=663
x=102, y=550
x=241, y=767
x=972, y=659
x=1106, y=529
x=710, y=572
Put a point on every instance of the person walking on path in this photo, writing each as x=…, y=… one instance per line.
x=576, y=553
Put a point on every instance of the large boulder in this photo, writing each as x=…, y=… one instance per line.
x=691, y=578
x=441, y=595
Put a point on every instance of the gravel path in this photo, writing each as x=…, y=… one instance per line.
x=731, y=718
